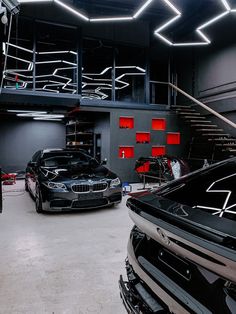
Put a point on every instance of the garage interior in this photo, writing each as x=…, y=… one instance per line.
x=119, y=80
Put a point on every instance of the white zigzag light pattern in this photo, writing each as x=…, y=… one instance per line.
x=52, y=81
x=225, y=208
x=140, y=11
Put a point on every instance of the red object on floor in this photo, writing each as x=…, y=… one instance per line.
x=8, y=178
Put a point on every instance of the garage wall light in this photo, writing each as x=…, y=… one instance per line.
x=31, y=114
x=26, y=111
x=45, y=119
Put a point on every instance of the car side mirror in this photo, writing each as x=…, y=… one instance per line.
x=104, y=162
x=32, y=164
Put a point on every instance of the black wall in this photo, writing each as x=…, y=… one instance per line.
x=209, y=74
x=19, y=139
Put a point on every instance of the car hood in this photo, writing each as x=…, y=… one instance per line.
x=76, y=173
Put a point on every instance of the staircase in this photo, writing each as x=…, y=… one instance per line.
x=208, y=141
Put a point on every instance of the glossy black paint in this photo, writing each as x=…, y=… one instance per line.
x=183, y=247
x=61, y=179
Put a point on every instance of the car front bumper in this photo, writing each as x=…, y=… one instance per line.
x=68, y=200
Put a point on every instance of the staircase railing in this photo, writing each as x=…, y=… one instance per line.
x=202, y=105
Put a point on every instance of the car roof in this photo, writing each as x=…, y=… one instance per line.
x=49, y=150
x=55, y=150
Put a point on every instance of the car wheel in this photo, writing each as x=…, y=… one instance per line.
x=38, y=200
x=26, y=186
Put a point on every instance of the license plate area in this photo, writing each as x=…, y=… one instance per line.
x=90, y=196
x=175, y=263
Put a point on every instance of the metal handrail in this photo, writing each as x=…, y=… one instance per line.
x=215, y=113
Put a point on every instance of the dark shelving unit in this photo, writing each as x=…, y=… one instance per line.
x=80, y=135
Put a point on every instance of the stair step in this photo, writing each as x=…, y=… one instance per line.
x=233, y=151
x=181, y=107
x=215, y=134
x=209, y=130
x=185, y=110
x=201, y=121
x=205, y=125
x=226, y=145
x=194, y=117
x=222, y=139
x=188, y=113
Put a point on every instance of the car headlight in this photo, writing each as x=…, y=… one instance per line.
x=55, y=185
x=115, y=183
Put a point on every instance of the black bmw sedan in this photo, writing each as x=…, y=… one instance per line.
x=182, y=249
x=60, y=179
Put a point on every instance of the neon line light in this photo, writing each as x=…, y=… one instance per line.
x=112, y=19
x=141, y=10
x=218, y=17
x=226, y=5
x=28, y=1
x=70, y=9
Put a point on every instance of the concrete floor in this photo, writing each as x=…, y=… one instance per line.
x=60, y=263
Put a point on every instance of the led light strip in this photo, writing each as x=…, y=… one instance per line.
x=66, y=83
x=140, y=11
x=206, y=40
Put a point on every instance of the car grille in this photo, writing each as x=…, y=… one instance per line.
x=85, y=188
x=99, y=186
x=80, y=188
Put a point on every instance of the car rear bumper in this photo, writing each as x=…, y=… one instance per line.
x=136, y=297
x=167, y=293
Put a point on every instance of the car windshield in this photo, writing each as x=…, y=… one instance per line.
x=64, y=159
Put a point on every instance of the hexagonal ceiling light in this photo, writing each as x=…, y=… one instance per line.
x=204, y=39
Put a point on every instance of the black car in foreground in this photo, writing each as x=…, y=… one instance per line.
x=182, y=249
x=61, y=179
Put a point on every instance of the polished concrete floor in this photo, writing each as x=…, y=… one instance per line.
x=60, y=263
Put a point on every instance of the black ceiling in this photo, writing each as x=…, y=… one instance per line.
x=194, y=13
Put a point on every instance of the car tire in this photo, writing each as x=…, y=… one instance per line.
x=26, y=186
x=38, y=200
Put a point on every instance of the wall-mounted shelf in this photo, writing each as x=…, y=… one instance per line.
x=158, y=151
x=79, y=134
x=126, y=123
x=143, y=137
x=126, y=152
x=173, y=138
x=159, y=124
